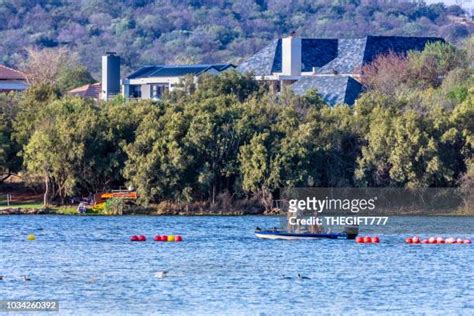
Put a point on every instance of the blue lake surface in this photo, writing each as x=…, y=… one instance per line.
x=91, y=267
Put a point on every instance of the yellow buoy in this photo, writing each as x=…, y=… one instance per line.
x=31, y=237
x=171, y=238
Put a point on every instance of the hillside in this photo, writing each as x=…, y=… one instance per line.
x=171, y=31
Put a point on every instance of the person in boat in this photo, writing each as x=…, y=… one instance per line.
x=312, y=229
x=315, y=228
x=294, y=228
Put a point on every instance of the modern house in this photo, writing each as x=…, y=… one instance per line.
x=330, y=66
x=150, y=82
x=12, y=80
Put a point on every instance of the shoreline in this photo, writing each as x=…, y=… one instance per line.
x=154, y=212
x=142, y=212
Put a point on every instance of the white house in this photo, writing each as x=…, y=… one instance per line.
x=150, y=82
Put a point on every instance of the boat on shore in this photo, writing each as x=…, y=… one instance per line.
x=348, y=233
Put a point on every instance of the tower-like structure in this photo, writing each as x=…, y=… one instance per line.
x=110, y=75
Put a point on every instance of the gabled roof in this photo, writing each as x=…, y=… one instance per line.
x=350, y=56
x=176, y=70
x=7, y=73
x=343, y=56
x=334, y=90
x=91, y=90
x=262, y=62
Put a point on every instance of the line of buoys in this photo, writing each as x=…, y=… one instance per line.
x=367, y=240
x=436, y=240
x=170, y=238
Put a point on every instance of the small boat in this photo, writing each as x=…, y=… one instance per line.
x=349, y=233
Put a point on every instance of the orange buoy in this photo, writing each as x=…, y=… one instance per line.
x=408, y=240
x=376, y=239
x=178, y=238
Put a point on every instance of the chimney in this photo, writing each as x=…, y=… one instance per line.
x=291, y=56
x=110, y=75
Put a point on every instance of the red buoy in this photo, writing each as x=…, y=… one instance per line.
x=440, y=240
x=467, y=241
x=360, y=240
x=164, y=238
x=416, y=240
x=376, y=239
x=157, y=238
x=141, y=238
x=459, y=241
x=409, y=240
x=425, y=241
x=178, y=238
x=367, y=239
x=134, y=238
x=433, y=240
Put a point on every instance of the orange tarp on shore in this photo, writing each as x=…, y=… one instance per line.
x=120, y=195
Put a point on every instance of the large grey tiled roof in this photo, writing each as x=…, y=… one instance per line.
x=343, y=56
x=337, y=89
x=335, y=61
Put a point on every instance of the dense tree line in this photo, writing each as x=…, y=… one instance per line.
x=191, y=31
x=234, y=136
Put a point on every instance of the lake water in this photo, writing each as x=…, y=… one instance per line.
x=90, y=266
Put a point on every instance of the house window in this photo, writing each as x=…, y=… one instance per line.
x=158, y=90
x=135, y=91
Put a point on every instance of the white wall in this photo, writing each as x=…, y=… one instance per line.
x=13, y=85
x=291, y=56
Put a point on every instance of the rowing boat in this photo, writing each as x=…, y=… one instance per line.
x=282, y=234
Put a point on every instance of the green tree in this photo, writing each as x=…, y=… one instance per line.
x=73, y=77
x=10, y=163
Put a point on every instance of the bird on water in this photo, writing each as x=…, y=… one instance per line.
x=301, y=277
x=161, y=274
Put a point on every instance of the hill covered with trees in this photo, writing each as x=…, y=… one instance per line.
x=193, y=31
